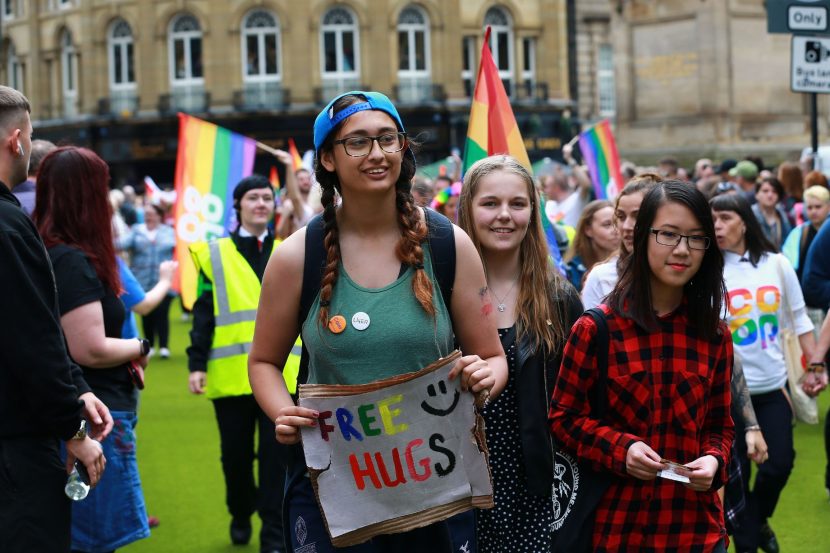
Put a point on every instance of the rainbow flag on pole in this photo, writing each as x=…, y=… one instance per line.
x=211, y=161
x=599, y=150
x=492, y=129
x=295, y=155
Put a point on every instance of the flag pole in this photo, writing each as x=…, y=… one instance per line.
x=266, y=147
x=573, y=141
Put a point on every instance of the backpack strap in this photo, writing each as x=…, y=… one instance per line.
x=599, y=394
x=313, y=267
x=441, y=239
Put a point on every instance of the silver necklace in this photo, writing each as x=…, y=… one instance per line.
x=500, y=305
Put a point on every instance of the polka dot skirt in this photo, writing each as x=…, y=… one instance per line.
x=519, y=522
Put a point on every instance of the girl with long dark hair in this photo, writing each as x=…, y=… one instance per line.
x=378, y=262
x=667, y=394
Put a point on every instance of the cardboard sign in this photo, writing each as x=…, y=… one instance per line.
x=396, y=454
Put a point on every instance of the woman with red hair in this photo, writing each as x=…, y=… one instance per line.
x=73, y=215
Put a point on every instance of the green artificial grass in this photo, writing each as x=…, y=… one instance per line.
x=178, y=456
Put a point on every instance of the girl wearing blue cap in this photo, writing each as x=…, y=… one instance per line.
x=377, y=264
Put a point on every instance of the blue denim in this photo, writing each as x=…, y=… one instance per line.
x=113, y=514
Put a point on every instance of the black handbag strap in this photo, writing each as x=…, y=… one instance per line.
x=599, y=394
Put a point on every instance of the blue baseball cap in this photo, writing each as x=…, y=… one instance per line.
x=327, y=119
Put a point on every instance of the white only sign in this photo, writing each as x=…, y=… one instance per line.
x=810, y=64
x=807, y=18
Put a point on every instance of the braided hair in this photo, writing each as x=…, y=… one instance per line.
x=413, y=230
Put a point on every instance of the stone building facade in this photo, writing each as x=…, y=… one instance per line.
x=704, y=78
x=111, y=74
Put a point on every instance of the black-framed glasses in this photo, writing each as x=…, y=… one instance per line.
x=360, y=146
x=672, y=239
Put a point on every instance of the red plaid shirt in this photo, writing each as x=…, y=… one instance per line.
x=668, y=389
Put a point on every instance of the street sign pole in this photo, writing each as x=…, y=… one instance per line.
x=814, y=127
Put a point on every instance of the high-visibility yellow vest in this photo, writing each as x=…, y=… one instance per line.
x=236, y=291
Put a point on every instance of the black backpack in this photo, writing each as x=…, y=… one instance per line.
x=441, y=244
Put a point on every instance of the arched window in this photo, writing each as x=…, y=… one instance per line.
x=14, y=69
x=261, y=47
x=413, y=42
x=69, y=74
x=340, y=50
x=414, y=83
x=501, y=44
x=121, y=57
x=185, y=51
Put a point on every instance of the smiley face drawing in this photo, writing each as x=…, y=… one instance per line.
x=438, y=411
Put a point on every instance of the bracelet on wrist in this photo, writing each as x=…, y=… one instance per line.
x=817, y=367
x=753, y=428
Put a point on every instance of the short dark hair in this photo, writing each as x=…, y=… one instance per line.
x=776, y=185
x=705, y=291
x=248, y=183
x=755, y=240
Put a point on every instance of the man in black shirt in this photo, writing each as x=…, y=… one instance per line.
x=43, y=396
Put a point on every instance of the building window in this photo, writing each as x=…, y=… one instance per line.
x=261, y=47
x=121, y=57
x=14, y=69
x=501, y=44
x=8, y=9
x=413, y=42
x=605, y=81
x=468, y=65
x=340, y=50
x=69, y=74
x=414, y=84
x=185, y=46
x=529, y=66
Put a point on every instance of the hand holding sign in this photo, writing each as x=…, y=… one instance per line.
x=476, y=374
x=409, y=448
x=290, y=420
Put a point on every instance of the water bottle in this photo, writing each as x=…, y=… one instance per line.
x=77, y=485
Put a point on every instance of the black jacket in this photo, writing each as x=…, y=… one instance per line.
x=536, y=372
x=39, y=384
x=204, y=320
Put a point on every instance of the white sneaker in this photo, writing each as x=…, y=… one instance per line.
x=165, y=353
x=151, y=353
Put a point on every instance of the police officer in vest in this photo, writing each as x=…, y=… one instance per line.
x=230, y=275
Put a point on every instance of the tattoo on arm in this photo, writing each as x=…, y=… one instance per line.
x=740, y=394
x=487, y=306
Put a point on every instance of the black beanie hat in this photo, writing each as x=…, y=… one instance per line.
x=249, y=183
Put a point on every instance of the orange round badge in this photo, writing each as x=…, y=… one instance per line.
x=337, y=324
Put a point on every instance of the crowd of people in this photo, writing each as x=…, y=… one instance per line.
x=689, y=277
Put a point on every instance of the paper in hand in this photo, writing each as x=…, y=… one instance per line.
x=675, y=471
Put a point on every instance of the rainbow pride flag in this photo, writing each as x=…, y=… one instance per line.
x=211, y=161
x=599, y=150
x=295, y=155
x=492, y=129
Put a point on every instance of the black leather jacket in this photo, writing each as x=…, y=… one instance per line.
x=536, y=372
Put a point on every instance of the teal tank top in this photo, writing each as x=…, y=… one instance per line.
x=386, y=333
